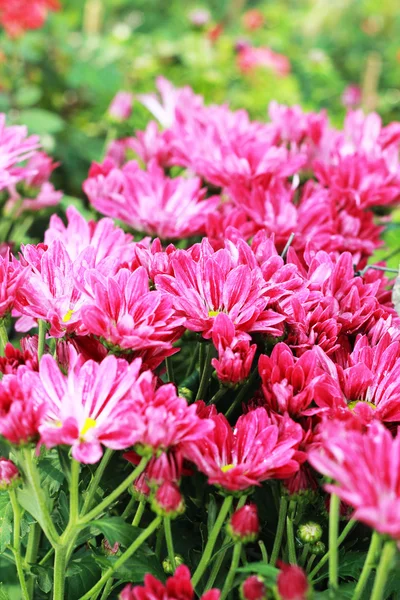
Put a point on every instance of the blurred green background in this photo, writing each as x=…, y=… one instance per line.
x=59, y=80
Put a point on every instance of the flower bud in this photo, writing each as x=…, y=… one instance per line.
x=108, y=549
x=292, y=583
x=9, y=474
x=318, y=548
x=244, y=525
x=140, y=488
x=310, y=532
x=253, y=588
x=168, y=501
x=167, y=566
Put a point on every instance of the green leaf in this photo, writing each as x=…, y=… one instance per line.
x=6, y=527
x=115, y=529
x=135, y=568
x=41, y=121
x=351, y=564
x=269, y=572
x=78, y=203
x=82, y=574
x=27, y=500
x=3, y=593
x=211, y=513
x=27, y=95
x=44, y=578
x=52, y=474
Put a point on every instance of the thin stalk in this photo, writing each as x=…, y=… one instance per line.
x=310, y=563
x=42, y=337
x=325, y=558
x=201, y=567
x=369, y=564
x=159, y=541
x=333, y=541
x=17, y=544
x=287, y=245
x=32, y=549
x=95, y=512
x=170, y=369
x=290, y=541
x=304, y=554
x=170, y=543
x=74, y=492
x=123, y=558
x=128, y=508
x=218, y=395
x=60, y=563
x=107, y=589
x=383, y=571
x=279, y=530
x=3, y=337
x=139, y=513
x=232, y=571
x=264, y=552
x=206, y=373
x=94, y=484
x=247, y=386
x=34, y=479
x=46, y=557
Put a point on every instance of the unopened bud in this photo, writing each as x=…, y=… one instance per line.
x=253, y=588
x=244, y=525
x=318, y=548
x=9, y=474
x=167, y=565
x=168, y=500
x=108, y=549
x=310, y=532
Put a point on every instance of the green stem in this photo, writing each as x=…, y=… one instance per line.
x=123, y=558
x=46, y=557
x=34, y=479
x=279, y=530
x=3, y=337
x=201, y=567
x=32, y=549
x=17, y=544
x=139, y=513
x=325, y=558
x=232, y=571
x=384, y=568
x=333, y=541
x=206, y=373
x=60, y=563
x=94, y=484
x=264, y=552
x=241, y=395
x=159, y=541
x=128, y=508
x=218, y=395
x=42, y=337
x=95, y=512
x=170, y=369
x=290, y=540
x=310, y=562
x=170, y=544
x=193, y=361
x=304, y=554
x=74, y=492
x=368, y=565
x=107, y=589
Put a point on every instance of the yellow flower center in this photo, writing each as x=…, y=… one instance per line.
x=227, y=468
x=354, y=403
x=67, y=317
x=88, y=424
x=213, y=313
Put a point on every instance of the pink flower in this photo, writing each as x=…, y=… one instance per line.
x=15, y=147
x=351, y=96
x=244, y=525
x=250, y=58
x=9, y=474
x=120, y=108
x=253, y=19
x=217, y=282
x=292, y=583
x=177, y=586
x=16, y=16
x=13, y=358
x=253, y=588
x=288, y=383
x=125, y=313
x=150, y=201
x=163, y=420
x=255, y=450
x=166, y=467
x=20, y=413
x=12, y=277
x=88, y=407
x=351, y=458
x=235, y=355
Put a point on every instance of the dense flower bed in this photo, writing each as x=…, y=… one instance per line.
x=240, y=351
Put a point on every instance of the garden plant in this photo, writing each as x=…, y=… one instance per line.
x=199, y=350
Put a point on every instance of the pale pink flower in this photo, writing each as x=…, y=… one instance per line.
x=351, y=96
x=365, y=467
x=89, y=407
x=251, y=58
x=120, y=108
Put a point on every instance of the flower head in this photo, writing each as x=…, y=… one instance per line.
x=292, y=583
x=253, y=588
x=16, y=16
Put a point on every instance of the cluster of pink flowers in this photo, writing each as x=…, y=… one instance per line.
x=24, y=170
x=262, y=237
x=18, y=16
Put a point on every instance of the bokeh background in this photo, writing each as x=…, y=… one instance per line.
x=59, y=80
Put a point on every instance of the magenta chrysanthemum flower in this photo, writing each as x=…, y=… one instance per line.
x=150, y=201
x=255, y=450
x=123, y=311
x=206, y=283
x=12, y=276
x=15, y=147
x=235, y=354
x=89, y=407
x=365, y=468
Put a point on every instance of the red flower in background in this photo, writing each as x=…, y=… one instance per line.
x=17, y=16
